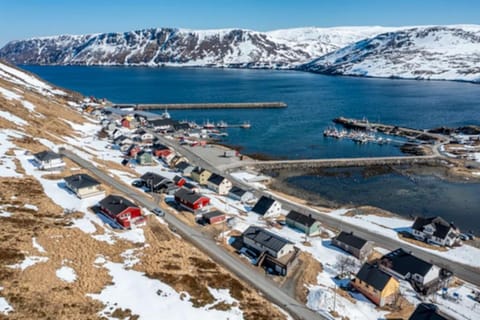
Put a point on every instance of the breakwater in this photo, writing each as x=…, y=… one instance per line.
x=189, y=106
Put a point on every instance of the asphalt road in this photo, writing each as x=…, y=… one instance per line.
x=465, y=272
x=256, y=279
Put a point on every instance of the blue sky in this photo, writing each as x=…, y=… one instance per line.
x=20, y=19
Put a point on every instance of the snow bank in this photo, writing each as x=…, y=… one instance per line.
x=66, y=274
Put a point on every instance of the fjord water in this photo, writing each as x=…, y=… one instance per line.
x=297, y=131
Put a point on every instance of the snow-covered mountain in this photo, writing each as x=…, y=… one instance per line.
x=182, y=47
x=436, y=52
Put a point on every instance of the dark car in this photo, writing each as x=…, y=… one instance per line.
x=159, y=212
x=138, y=183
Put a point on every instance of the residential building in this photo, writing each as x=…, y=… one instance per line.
x=267, y=207
x=403, y=265
x=240, y=194
x=144, y=158
x=83, y=185
x=49, y=160
x=121, y=210
x=435, y=230
x=185, y=168
x=378, y=286
x=191, y=200
x=179, y=181
x=428, y=311
x=219, y=184
x=358, y=247
x=154, y=182
x=200, y=175
x=305, y=223
x=265, y=241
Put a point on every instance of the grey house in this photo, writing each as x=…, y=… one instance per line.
x=83, y=185
x=307, y=224
x=358, y=247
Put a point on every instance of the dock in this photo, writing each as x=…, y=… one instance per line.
x=218, y=105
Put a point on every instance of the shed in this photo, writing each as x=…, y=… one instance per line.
x=213, y=217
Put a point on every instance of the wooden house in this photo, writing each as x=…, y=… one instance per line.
x=240, y=194
x=267, y=207
x=219, y=184
x=144, y=158
x=191, y=200
x=428, y=311
x=121, y=210
x=435, y=230
x=378, y=286
x=358, y=247
x=302, y=222
x=83, y=185
x=185, y=168
x=200, y=175
x=213, y=217
x=49, y=160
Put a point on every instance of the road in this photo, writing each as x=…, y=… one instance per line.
x=209, y=246
x=465, y=272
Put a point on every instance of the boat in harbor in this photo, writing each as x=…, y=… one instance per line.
x=222, y=125
x=245, y=125
x=208, y=125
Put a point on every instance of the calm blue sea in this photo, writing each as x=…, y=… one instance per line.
x=297, y=131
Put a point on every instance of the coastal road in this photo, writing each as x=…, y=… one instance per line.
x=208, y=245
x=465, y=272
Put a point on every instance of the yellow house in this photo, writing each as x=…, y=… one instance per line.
x=200, y=175
x=378, y=286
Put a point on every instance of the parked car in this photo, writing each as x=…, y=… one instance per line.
x=137, y=183
x=471, y=235
x=464, y=237
x=159, y=212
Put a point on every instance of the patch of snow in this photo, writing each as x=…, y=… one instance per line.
x=28, y=262
x=5, y=307
x=31, y=207
x=37, y=246
x=66, y=274
x=13, y=118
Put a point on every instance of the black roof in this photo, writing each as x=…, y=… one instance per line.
x=442, y=227
x=198, y=170
x=214, y=213
x=301, y=218
x=159, y=146
x=350, y=239
x=239, y=192
x=404, y=262
x=161, y=122
x=262, y=205
x=47, y=155
x=373, y=276
x=81, y=180
x=154, y=178
x=216, y=179
x=116, y=204
x=182, y=165
x=188, y=195
x=181, y=126
x=177, y=178
x=189, y=185
x=265, y=238
x=427, y=311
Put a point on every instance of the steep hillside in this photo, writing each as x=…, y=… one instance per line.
x=182, y=47
x=447, y=53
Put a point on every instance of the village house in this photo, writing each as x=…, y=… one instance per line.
x=435, y=230
x=302, y=222
x=167, y=158
x=191, y=200
x=133, y=150
x=378, y=286
x=358, y=247
x=403, y=265
x=122, y=140
x=144, y=158
x=160, y=150
x=428, y=311
x=83, y=185
x=185, y=168
x=179, y=181
x=129, y=122
x=176, y=160
x=213, y=217
x=122, y=210
x=191, y=187
x=267, y=207
x=154, y=182
x=237, y=193
x=49, y=160
x=274, y=252
x=200, y=175
x=219, y=184
x=161, y=124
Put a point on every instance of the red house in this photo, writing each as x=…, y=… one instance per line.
x=213, y=217
x=125, y=123
x=179, y=181
x=160, y=153
x=121, y=210
x=133, y=150
x=191, y=200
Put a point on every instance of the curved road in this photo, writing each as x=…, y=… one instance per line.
x=209, y=246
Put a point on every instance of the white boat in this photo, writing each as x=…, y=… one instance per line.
x=222, y=125
x=209, y=125
x=245, y=125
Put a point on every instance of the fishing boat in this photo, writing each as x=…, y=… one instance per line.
x=209, y=125
x=165, y=114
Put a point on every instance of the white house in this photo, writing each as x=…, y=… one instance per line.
x=241, y=195
x=219, y=184
x=49, y=160
x=435, y=230
x=267, y=207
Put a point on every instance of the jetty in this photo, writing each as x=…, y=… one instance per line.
x=217, y=105
x=409, y=133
